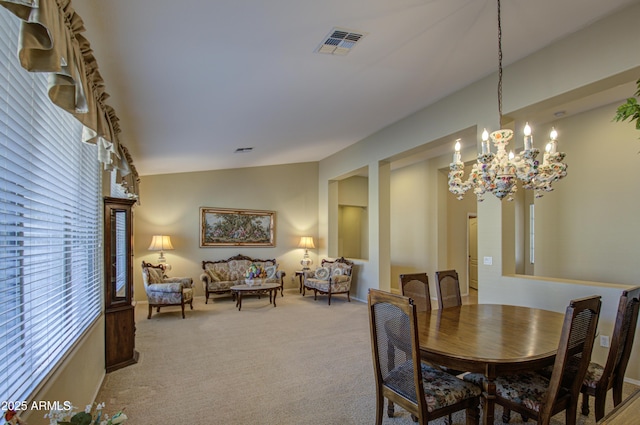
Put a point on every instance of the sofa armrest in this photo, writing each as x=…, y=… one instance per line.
x=165, y=287
x=187, y=282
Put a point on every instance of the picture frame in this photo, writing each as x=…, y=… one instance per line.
x=222, y=227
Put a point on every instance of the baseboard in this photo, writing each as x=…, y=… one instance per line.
x=632, y=381
x=97, y=390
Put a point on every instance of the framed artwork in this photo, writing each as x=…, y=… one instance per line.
x=233, y=227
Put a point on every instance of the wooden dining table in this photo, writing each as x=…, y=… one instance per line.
x=490, y=339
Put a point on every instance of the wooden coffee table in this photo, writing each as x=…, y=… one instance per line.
x=240, y=290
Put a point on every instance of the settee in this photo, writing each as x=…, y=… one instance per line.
x=332, y=277
x=219, y=276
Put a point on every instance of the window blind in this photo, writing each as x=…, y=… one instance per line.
x=50, y=227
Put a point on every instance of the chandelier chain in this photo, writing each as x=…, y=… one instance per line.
x=499, y=64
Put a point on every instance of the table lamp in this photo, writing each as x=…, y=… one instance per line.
x=306, y=242
x=161, y=243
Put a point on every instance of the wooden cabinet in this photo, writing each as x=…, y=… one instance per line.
x=120, y=327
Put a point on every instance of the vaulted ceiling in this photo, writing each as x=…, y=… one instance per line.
x=192, y=81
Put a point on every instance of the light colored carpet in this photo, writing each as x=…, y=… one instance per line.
x=302, y=362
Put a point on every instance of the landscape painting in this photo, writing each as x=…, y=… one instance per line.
x=233, y=227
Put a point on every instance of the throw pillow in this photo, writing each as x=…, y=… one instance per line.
x=213, y=275
x=322, y=273
x=336, y=272
x=271, y=271
x=155, y=275
x=339, y=278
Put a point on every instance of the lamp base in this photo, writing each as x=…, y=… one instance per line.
x=306, y=262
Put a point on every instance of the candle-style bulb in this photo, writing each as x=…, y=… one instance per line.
x=528, y=139
x=554, y=134
x=511, y=155
x=456, y=154
x=485, y=149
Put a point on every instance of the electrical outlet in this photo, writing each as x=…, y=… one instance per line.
x=604, y=341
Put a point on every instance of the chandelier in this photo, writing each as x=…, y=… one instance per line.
x=499, y=172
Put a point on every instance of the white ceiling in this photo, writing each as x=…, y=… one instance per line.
x=192, y=81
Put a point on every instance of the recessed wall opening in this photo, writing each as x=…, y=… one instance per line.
x=593, y=203
x=353, y=217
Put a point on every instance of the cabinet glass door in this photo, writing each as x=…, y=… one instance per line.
x=119, y=255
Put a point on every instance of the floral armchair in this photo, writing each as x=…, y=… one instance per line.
x=332, y=277
x=165, y=291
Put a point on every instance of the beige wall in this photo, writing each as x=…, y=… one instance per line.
x=353, y=191
x=565, y=71
x=586, y=228
x=170, y=205
x=410, y=232
x=424, y=238
x=78, y=378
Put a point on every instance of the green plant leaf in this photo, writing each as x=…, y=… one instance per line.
x=81, y=418
x=630, y=110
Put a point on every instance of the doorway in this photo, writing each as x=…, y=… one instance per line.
x=472, y=250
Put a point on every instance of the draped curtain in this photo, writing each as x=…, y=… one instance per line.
x=51, y=41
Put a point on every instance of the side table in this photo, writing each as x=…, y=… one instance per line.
x=300, y=274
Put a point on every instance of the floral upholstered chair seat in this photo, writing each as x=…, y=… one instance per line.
x=166, y=291
x=219, y=276
x=332, y=277
x=528, y=389
x=441, y=389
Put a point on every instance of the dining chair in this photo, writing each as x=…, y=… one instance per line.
x=599, y=380
x=416, y=287
x=448, y=289
x=425, y=392
x=535, y=396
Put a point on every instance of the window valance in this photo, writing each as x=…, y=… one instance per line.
x=51, y=41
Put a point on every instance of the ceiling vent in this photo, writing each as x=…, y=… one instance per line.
x=340, y=41
x=243, y=150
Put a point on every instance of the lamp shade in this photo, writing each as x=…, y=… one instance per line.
x=306, y=242
x=160, y=243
